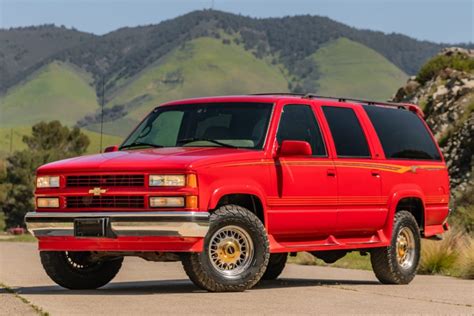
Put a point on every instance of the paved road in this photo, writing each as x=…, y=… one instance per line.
x=144, y=287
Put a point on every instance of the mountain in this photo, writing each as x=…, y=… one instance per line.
x=444, y=88
x=23, y=49
x=52, y=72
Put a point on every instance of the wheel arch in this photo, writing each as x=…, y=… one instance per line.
x=411, y=200
x=250, y=198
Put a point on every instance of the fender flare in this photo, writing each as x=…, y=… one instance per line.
x=395, y=197
x=250, y=189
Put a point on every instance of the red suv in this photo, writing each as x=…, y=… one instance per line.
x=231, y=185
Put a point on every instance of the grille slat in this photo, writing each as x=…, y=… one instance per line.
x=112, y=201
x=128, y=180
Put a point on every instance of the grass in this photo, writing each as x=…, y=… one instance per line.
x=453, y=256
x=351, y=69
x=352, y=260
x=57, y=91
x=18, y=144
x=36, y=308
x=201, y=67
x=2, y=222
x=6, y=237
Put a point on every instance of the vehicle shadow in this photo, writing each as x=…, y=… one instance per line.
x=175, y=287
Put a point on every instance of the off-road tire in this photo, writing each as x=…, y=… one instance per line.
x=384, y=260
x=199, y=268
x=275, y=266
x=61, y=271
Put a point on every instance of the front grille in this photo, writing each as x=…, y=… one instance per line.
x=110, y=201
x=115, y=180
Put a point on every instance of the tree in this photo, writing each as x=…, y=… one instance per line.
x=48, y=142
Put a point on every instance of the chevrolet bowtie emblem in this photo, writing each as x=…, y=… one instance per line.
x=97, y=191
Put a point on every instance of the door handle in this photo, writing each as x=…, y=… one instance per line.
x=375, y=173
x=331, y=173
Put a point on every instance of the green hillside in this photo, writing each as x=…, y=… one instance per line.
x=201, y=67
x=351, y=69
x=56, y=91
x=18, y=132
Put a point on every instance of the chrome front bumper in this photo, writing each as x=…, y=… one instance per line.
x=138, y=224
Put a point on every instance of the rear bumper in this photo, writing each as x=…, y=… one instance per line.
x=122, y=224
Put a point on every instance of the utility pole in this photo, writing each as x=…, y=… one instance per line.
x=102, y=102
x=11, y=140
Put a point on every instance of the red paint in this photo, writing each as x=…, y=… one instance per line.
x=310, y=203
x=295, y=148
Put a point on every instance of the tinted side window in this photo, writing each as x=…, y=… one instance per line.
x=346, y=131
x=298, y=123
x=402, y=134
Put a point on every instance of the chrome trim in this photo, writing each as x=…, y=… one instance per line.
x=140, y=224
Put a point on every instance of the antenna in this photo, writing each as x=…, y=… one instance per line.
x=102, y=112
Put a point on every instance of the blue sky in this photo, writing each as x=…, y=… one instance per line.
x=449, y=21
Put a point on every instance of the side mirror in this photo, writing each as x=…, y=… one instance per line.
x=295, y=148
x=110, y=149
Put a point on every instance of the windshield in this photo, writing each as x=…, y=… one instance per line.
x=236, y=125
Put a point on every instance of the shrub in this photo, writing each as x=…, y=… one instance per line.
x=466, y=262
x=440, y=62
x=439, y=257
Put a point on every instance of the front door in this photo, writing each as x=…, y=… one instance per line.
x=361, y=207
x=305, y=196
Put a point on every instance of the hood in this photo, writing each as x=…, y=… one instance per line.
x=145, y=160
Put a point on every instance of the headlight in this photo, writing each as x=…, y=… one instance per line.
x=47, y=182
x=161, y=201
x=167, y=180
x=47, y=202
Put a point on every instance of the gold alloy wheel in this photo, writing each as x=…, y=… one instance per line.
x=405, y=248
x=231, y=251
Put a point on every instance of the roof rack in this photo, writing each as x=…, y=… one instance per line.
x=407, y=106
x=281, y=93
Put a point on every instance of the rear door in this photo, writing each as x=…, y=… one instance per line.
x=361, y=208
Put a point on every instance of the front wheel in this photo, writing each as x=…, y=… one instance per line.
x=79, y=270
x=398, y=263
x=235, y=252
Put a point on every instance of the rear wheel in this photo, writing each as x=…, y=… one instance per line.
x=79, y=270
x=235, y=252
x=398, y=263
x=275, y=267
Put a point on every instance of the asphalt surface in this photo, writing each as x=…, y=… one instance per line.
x=143, y=287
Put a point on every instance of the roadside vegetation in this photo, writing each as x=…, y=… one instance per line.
x=48, y=142
x=440, y=62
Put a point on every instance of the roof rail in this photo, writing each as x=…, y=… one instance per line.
x=408, y=106
x=280, y=93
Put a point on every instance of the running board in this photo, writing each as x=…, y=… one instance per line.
x=330, y=243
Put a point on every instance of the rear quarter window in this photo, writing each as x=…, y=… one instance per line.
x=402, y=133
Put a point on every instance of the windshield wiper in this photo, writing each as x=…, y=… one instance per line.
x=138, y=144
x=197, y=139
